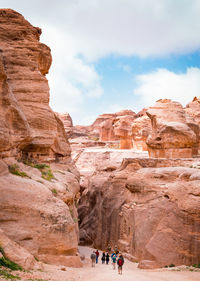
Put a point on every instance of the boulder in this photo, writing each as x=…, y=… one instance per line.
x=173, y=134
x=16, y=253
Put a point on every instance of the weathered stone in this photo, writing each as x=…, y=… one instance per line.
x=145, y=211
x=16, y=253
x=173, y=135
x=67, y=121
x=123, y=129
x=141, y=128
x=28, y=126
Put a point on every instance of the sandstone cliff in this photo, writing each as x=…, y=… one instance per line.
x=37, y=202
x=174, y=133
x=149, y=209
x=28, y=125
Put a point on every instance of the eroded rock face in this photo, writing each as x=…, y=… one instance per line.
x=28, y=125
x=147, y=209
x=37, y=202
x=141, y=128
x=123, y=129
x=67, y=121
x=193, y=110
x=174, y=134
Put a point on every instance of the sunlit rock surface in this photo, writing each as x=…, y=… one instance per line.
x=174, y=134
x=37, y=203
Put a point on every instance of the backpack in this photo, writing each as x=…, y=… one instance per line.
x=120, y=262
x=114, y=259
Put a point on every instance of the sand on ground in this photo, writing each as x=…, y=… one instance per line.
x=103, y=272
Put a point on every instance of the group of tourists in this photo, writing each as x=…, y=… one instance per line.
x=116, y=258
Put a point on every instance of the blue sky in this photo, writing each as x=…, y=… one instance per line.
x=110, y=55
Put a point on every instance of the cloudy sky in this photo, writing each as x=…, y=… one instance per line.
x=110, y=55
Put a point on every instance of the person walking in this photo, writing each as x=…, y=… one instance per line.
x=120, y=263
x=103, y=258
x=107, y=258
x=93, y=258
x=114, y=259
x=97, y=255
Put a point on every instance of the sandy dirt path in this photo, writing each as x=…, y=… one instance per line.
x=103, y=272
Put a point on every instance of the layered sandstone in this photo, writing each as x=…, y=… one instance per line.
x=28, y=125
x=174, y=133
x=67, y=122
x=147, y=209
x=37, y=200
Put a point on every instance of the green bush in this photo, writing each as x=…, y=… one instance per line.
x=47, y=174
x=54, y=191
x=172, y=265
x=14, y=169
x=41, y=166
x=196, y=265
x=9, y=264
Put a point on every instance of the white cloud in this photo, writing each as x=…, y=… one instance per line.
x=163, y=83
x=71, y=78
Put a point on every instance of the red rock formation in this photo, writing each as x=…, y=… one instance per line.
x=149, y=212
x=107, y=130
x=28, y=125
x=173, y=134
x=67, y=121
x=123, y=129
x=37, y=202
x=141, y=128
x=193, y=110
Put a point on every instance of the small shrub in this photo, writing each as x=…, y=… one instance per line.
x=14, y=169
x=9, y=264
x=47, y=175
x=172, y=265
x=5, y=274
x=41, y=166
x=196, y=265
x=54, y=191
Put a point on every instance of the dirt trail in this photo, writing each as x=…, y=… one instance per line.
x=103, y=272
x=130, y=272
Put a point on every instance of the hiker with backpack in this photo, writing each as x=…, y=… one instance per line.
x=93, y=258
x=114, y=259
x=120, y=263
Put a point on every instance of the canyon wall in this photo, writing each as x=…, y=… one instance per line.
x=37, y=202
x=148, y=208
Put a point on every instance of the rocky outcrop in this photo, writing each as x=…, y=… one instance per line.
x=174, y=134
x=28, y=125
x=147, y=209
x=141, y=128
x=16, y=253
x=193, y=110
x=123, y=130
x=37, y=199
x=67, y=121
